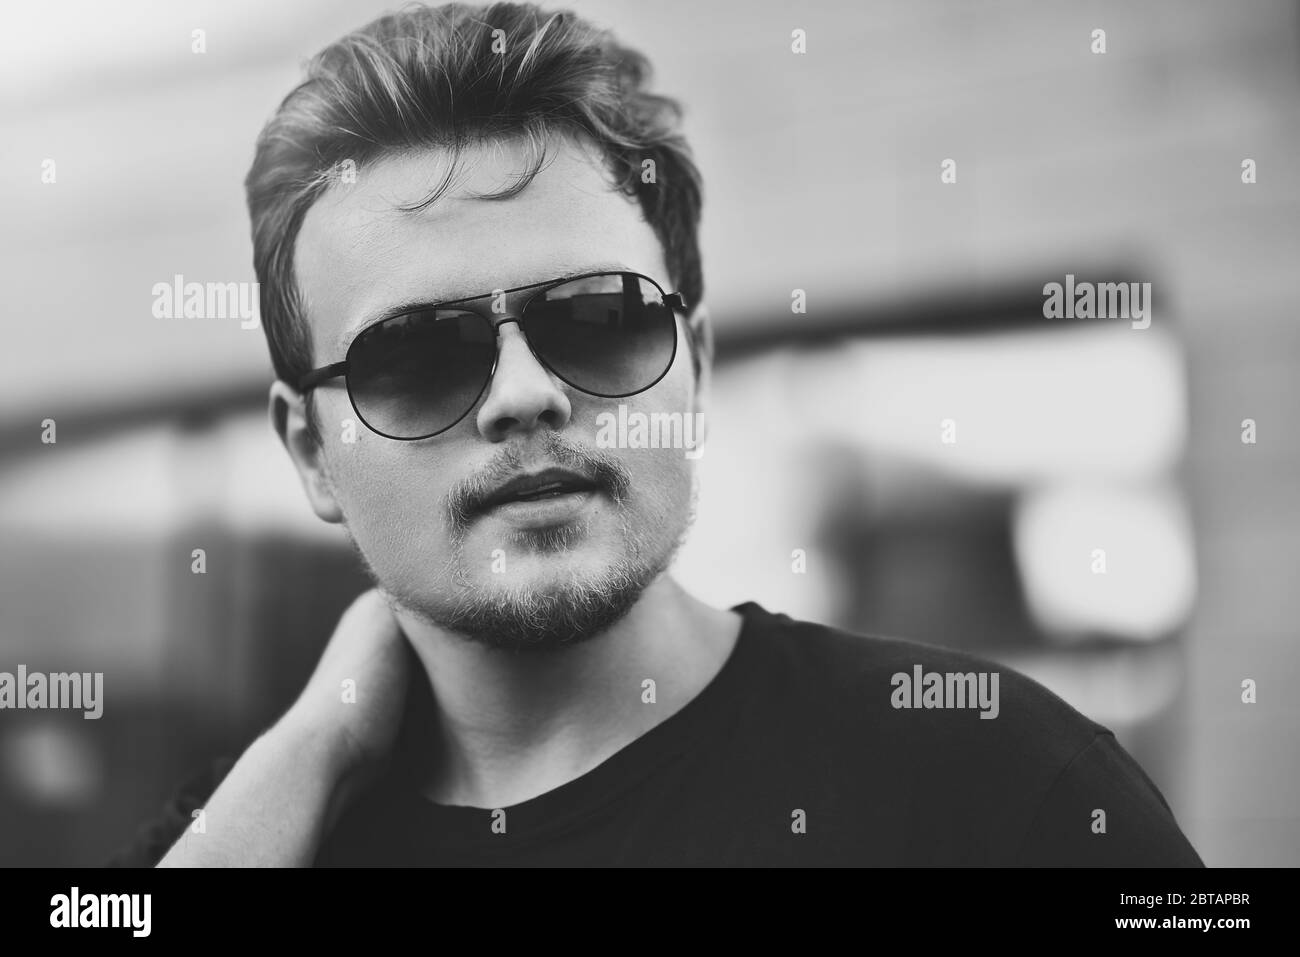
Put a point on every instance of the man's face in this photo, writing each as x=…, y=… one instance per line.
x=525, y=573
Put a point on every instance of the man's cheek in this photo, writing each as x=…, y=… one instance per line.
x=659, y=478
x=393, y=500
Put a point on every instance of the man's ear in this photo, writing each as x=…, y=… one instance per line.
x=701, y=331
x=288, y=413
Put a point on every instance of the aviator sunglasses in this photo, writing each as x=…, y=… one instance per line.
x=416, y=374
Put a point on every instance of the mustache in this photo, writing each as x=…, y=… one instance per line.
x=466, y=498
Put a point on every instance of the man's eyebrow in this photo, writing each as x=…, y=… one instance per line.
x=412, y=305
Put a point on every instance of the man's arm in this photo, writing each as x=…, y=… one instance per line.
x=273, y=808
x=286, y=791
x=152, y=840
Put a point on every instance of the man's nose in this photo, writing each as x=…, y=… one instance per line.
x=523, y=395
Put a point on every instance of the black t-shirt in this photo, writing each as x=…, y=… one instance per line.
x=798, y=753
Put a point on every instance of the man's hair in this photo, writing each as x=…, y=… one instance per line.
x=444, y=77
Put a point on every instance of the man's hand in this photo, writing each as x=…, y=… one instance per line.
x=286, y=791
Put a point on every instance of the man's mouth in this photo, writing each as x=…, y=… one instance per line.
x=547, y=485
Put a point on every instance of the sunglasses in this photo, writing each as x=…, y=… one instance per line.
x=414, y=375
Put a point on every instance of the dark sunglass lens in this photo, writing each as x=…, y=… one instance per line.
x=610, y=335
x=418, y=374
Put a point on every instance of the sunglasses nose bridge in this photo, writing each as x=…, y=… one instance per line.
x=519, y=324
x=496, y=324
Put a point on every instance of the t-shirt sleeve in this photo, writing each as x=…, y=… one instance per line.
x=155, y=838
x=1103, y=811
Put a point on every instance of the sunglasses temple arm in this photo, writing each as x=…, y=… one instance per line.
x=317, y=376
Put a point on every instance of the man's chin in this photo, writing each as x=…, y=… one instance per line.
x=526, y=601
x=527, y=570
x=497, y=555
x=543, y=612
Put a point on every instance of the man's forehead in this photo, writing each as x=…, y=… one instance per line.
x=359, y=253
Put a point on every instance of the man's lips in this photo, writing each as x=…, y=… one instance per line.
x=539, y=486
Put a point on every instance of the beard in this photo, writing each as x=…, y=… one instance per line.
x=563, y=612
x=556, y=616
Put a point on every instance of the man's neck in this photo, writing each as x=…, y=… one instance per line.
x=509, y=727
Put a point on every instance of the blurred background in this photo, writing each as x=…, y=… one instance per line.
x=920, y=453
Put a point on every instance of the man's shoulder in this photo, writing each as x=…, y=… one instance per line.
x=911, y=689
x=991, y=766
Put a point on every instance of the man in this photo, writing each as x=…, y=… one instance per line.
x=475, y=231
